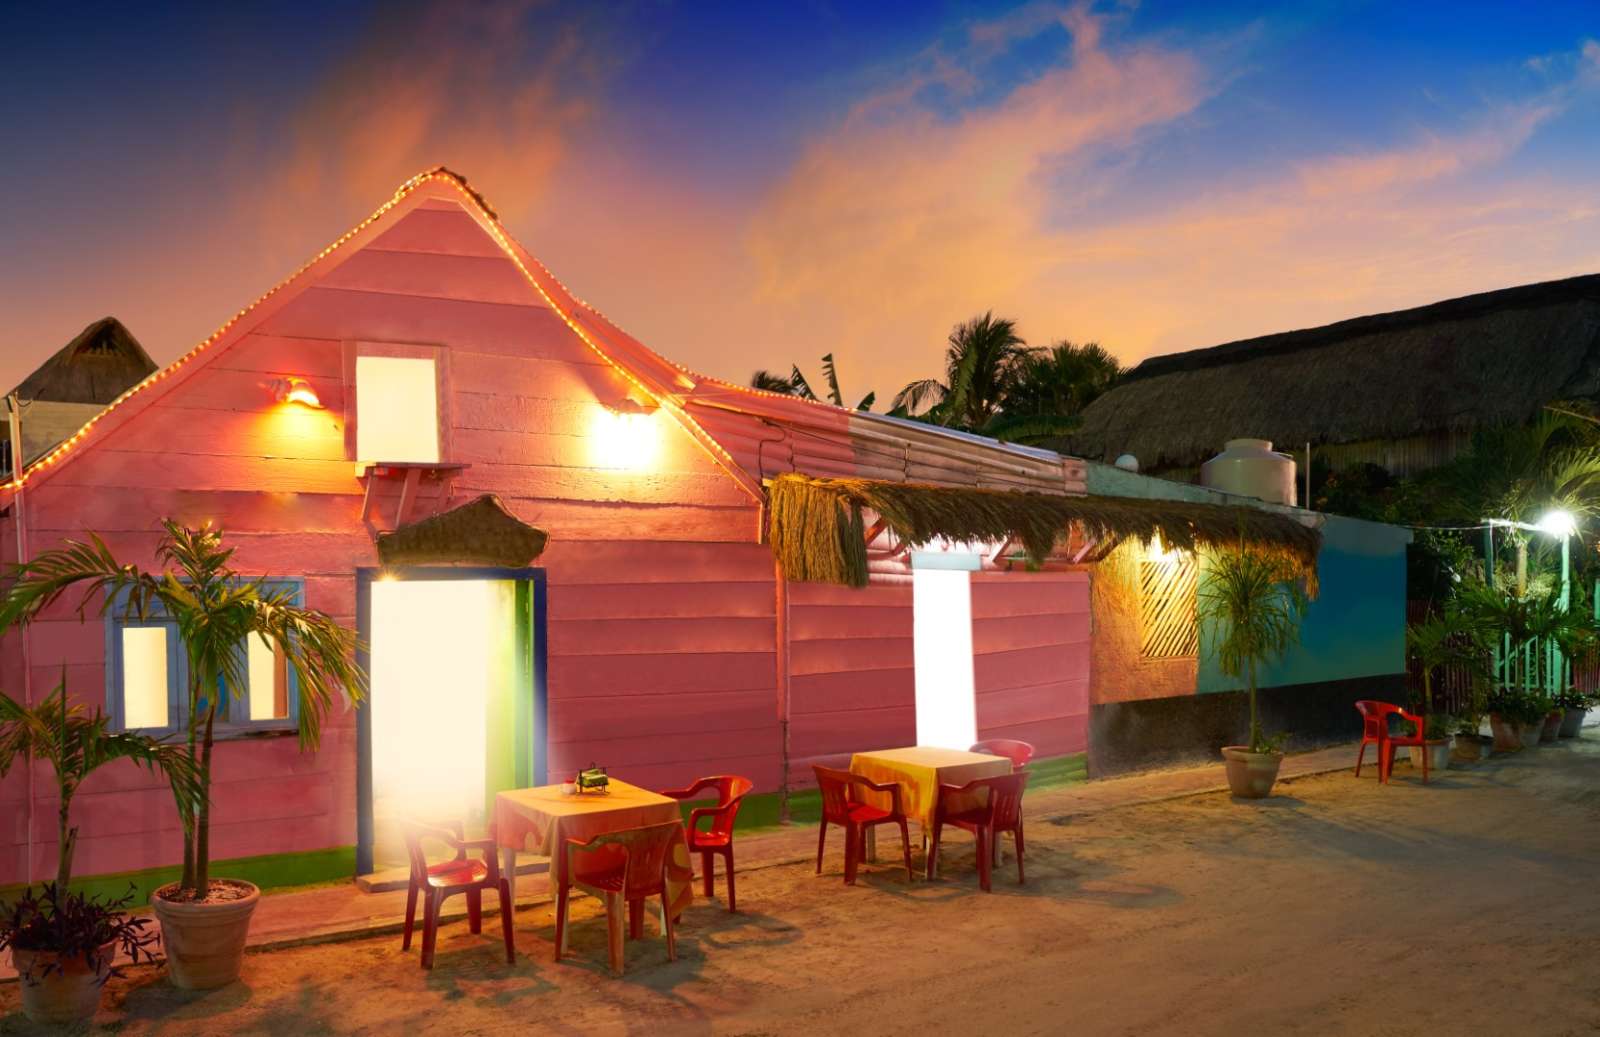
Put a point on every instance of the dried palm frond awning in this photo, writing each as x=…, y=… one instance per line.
x=817, y=531
x=479, y=532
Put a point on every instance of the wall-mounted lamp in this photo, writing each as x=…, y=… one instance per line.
x=296, y=390
x=629, y=405
x=625, y=434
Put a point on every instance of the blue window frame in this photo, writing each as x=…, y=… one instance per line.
x=147, y=677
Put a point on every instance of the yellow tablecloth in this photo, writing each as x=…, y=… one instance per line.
x=921, y=769
x=541, y=820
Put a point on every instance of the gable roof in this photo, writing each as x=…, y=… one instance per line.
x=444, y=183
x=100, y=363
x=670, y=385
x=1490, y=358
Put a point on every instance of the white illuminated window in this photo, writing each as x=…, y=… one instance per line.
x=148, y=676
x=941, y=615
x=397, y=409
x=145, y=677
x=267, y=695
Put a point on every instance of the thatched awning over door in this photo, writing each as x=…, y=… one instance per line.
x=480, y=532
x=817, y=531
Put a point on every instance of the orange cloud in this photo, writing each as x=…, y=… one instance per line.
x=902, y=220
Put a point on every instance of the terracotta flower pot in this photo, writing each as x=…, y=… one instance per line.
x=1571, y=722
x=204, y=940
x=1530, y=733
x=1552, y=725
x=68, y=994
x=1438, y=754
x=1507, y=735
x=1250, y=775
x=1469, y=748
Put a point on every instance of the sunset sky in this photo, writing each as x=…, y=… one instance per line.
x=747, y=185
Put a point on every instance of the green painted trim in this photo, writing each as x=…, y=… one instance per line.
x=760, y=811
x=273, y=871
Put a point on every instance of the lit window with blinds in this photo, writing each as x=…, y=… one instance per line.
x=1167, y=587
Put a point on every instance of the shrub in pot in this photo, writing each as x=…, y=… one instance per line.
x=1437, y=731
x=64, y=946
x=1517, y=717
x=204, y=920
x=1252, y=601
x=64, y=943
x=1574, y=706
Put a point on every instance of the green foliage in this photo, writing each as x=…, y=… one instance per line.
x=1454, y=638
x=1253, y=603
x=795, y=384
x=1571, y=698
x=76, y=745
x=1518, y=705
x=983, y=360
x=215, y=609
x=73, y=926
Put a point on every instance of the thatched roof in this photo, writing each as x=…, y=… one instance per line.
x=1484, y=359
x=479, y=532
x=816, y=526
x=97, y=366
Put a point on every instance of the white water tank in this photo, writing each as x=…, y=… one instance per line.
x=1252, y=468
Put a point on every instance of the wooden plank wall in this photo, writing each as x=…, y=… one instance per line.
x=662, y=661
x=213, y=444
x=1030, y=642
x=852, y=681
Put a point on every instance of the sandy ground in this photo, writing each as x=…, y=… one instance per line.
x=1338, y=906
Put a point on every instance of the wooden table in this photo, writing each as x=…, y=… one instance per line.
x=920, y=770
x=541, y=820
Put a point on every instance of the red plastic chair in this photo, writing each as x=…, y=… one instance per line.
x=985, y=807
x=459, y=874
x=1393, y=741
x=623, y=867
x=1019, y=753
x=840, y=806
x=1374, y=730
x=717, y=840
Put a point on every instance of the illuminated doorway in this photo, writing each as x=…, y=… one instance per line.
x=941, y=602
x=455, y=710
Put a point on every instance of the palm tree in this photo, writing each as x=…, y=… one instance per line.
x=1253, y=603
x=1062, y=380
x=215, y=610
x=1454, y=638
x=795, y=384
x=1519, y=472
x=75, y=745
x=982, y=363
x=1051, y=389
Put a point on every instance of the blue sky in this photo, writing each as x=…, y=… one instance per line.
x=746, y=185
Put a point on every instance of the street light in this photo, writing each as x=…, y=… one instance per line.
x=1557, y=523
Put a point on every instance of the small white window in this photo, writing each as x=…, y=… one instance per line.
x=268, y=687
x=397, y=409
x=145, y=682
x=148, y=676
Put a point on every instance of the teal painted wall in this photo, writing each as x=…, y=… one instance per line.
x=1355, y=628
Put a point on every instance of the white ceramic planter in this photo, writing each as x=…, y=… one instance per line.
x=1438, y=752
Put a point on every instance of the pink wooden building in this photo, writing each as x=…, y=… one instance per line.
x=425, y=359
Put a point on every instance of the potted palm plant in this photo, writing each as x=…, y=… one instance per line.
x=1252, y=603
x=63, y=943
x=1444, y=639
x=204, y=920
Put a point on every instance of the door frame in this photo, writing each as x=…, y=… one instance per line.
x=532, y=736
